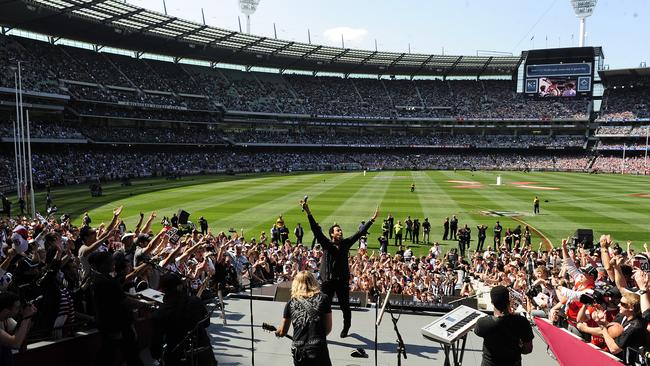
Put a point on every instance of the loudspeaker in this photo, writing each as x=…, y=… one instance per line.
x=357, y=299
x=585, y=236
x=282, y=292
x=182, y=217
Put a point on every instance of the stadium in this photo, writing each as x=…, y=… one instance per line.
x=170, y=147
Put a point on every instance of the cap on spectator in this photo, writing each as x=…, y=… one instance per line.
x=127, y=235
x=21, y=230
x=20, y=244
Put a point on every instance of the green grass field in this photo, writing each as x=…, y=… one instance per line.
x=605, y=203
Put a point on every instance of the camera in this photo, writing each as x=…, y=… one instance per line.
x=600, y=295
x=534, y=291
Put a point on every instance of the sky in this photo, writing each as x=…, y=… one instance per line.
x=455, y=27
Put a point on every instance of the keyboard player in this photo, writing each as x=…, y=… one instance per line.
x=506, y=336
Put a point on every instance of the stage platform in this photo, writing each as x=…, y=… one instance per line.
x=232, y=343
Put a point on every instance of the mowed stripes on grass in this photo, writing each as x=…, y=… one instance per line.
x=604, y=203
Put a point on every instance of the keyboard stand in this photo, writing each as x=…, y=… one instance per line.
x=456, y=352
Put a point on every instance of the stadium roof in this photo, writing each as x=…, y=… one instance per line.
x=625, y=77
x=118, y=24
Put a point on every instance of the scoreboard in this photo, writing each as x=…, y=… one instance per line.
x=559, y=73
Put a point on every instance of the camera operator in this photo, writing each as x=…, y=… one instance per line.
x=540, y=293
x=595, y=313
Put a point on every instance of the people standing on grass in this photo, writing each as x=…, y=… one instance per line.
x=426, y=230
x=453, y=228
x=408, y=223
x=497, y=234
x=481, y=237
x=445, y=229
x=398, y=229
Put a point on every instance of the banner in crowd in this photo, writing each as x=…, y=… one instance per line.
x=570, y=350
x=154, y=106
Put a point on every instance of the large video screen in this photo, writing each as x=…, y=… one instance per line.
x=563, y=80
x=556, y=87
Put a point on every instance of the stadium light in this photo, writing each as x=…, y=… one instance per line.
x=583, y=10
x=248, y=7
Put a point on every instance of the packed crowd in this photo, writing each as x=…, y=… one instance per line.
x=626, y=103
x=612, y=145
x=107, y=95
x=43, y=129
x=70, y=165
x=117, y=78
x=632, y=165
x=209, y=134
x=100, y=110
x=402, y=137
x=576, y=286
x=623, y=130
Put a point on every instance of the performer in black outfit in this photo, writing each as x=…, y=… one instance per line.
x=310, y=312
x=179, y=315
x=506, y=336
x=334, y=269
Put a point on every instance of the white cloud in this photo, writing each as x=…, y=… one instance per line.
x=351, y=35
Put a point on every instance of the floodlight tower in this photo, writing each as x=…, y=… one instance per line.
x=248, y=7
x=583, y=10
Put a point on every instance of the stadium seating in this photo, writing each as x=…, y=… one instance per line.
x=56, y=69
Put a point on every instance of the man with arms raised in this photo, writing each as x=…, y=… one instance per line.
x=334, y=267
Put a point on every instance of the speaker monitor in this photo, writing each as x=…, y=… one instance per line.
x=585, y=236
x=282, y=293
x=357, y=299
x=183, y=216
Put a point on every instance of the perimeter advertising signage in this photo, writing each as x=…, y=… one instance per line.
x=559, y=80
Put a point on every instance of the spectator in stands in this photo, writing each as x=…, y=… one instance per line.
x=13, y=334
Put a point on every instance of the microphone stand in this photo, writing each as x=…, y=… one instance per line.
x=376, y=318
x=250, y=285
x=401, y=348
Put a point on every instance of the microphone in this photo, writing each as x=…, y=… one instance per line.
x=305, y=201
x=37, y=299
